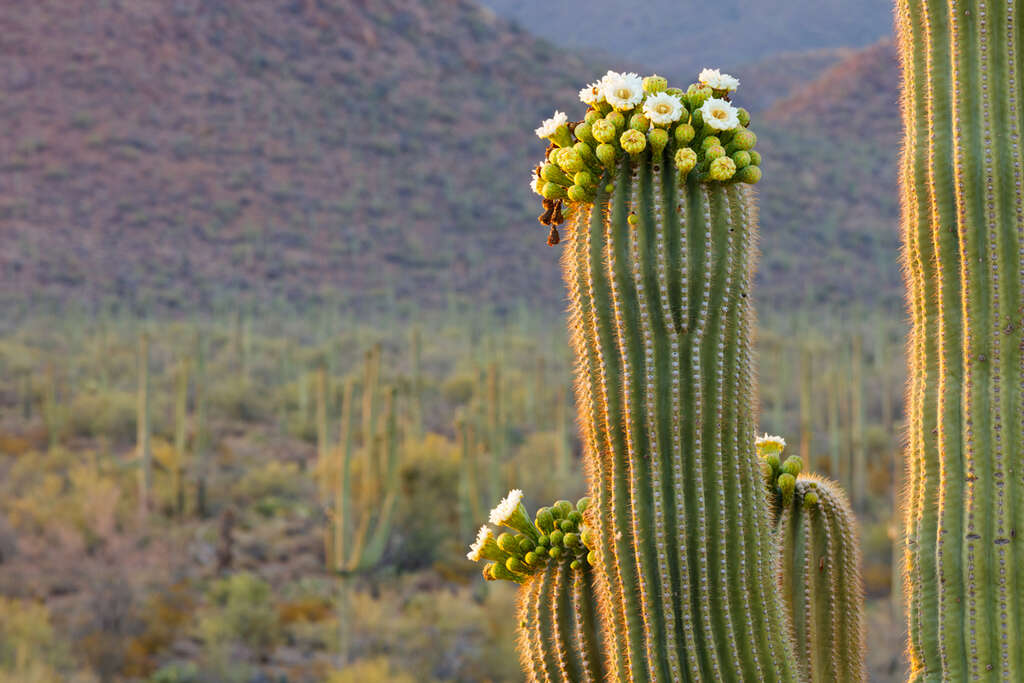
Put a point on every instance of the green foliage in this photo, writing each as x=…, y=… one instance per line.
x=241, y=610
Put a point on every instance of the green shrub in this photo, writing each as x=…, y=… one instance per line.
x=242, y=611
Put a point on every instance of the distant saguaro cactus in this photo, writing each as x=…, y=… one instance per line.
x=961, y=177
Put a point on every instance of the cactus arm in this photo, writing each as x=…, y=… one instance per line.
x=143, y=448
x=582, y=322
x=378, y=539
x=532, y=653
x=342, y=517
x=586, y=629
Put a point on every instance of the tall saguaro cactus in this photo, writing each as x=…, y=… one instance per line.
x=963, y=215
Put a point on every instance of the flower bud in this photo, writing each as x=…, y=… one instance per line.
x=587, y=536
x=639, y=122
x=500, y=571
x=553, y=191
x=810, y=500
x=578, y=193
x=508, y=543
x=586, y=178
x=533, y=559
x=514, y=564
x=583, y=132
x=773, y=461
x=744, y=116
x=713, y=152
x=633, y=142
x=575, y=565
x=571, y=540
x=742, y=140
x=741, y=158
x=569, y=160
x=658, y=139
x=555, y=552
x=787, y=484
x=586, y=152
x=793, y=465
x=566, y=525
x=575, y=517
x=607, y=154
x=592, y=558
x=655, y=83
x=749, y=174
x=684, y=134
x=591, y=116
x=755, y=158
x=543, y=541
x=545, y=520
x=617, y=119
x=582, y=504
x=709, y=142
x=603, y=130
x=697, y=119
x=564, y=507
x=722, y=168
x=556, y=538
x=697, y=94
x=685, y=160
x=525, y=544
x=553, y=174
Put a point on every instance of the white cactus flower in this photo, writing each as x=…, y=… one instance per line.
x=770, y=443
x=592, y=94
x=663, y=109
x=719, y=114
x=548, y=128
x=506, y=508
x=622, y=91
x=483, y=537
x=716, y=80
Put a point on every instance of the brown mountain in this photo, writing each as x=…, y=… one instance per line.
x=175, y=154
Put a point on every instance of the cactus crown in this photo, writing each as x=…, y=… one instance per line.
x=705, y=135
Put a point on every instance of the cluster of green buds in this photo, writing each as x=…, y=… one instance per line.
x=557, y=533
x=779, y=474
x=703, y=134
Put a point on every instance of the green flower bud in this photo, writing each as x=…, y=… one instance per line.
x=591, y=116
x=575, y=517
x=658, y=139
x=697, y=119
x=685, y=160
x=508, y=543
x=525, y=544
x=586, y=153
x=773, y=461
x=553, y=174
x=587, y=536
x=632, y=219
x=675, y=91
x=488, y=574
x=556, y=538
x=571, y=540
x=633, y=142
x=514, y=564
x=755, y=158
x=787, y=484
x=793, y=465
x=569, y=160
x=575, y=565
x=749, y=174
x=697, y=94
x=684, y=134
x=565, y=507
x=742, y=140
x=810, y=500
x=555, y=552
x=583, y=132
x=608, y=188
x=586, y=178
x=553, y=191
x=709, y=142
x=578, y=193
x=603, y=130
x=592, y=558
x=744, y=116
x=545, y=520
x=582, y=504
x=543, y=541
x=501, y=572
x=713, y=152
x=655, y=83
x=639, y=122
x=617, y=119
x=741, y=158
x=566, y=525
x=533, y=559
x=722, y=168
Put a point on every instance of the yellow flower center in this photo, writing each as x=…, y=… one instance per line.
x=663, y=108
x=719, y=114
x=623, y=93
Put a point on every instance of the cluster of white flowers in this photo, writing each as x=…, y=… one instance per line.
x=716, y=80
x=549, y=126
x=504, y=510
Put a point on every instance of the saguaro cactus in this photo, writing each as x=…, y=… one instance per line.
x=819, y=567
x=143, y=451
x=963, y=209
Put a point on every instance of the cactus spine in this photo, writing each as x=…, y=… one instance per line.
x=962, y=214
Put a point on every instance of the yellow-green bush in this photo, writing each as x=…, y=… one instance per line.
x=241, y=610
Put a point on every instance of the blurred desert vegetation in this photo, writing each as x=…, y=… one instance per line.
x=268, y=190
